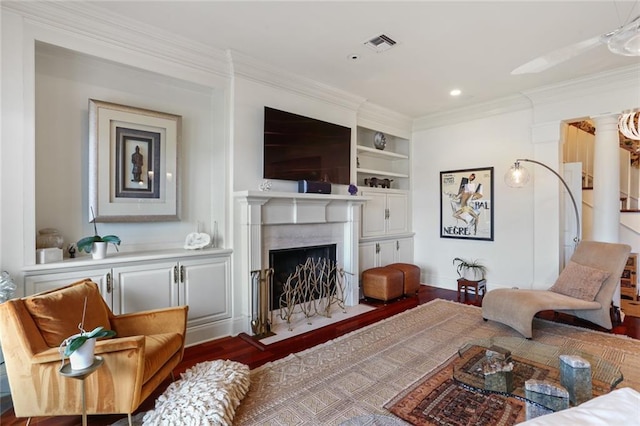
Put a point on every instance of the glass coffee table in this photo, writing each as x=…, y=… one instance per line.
x=531, y=360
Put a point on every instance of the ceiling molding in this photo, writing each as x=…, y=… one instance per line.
x=593, y=84
x=472, y=112
x=85, y=19
x=375, y=117
x=252, y=69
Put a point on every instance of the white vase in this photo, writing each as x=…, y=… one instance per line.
x=472, y=274
x=83, y=357
x=99, y=250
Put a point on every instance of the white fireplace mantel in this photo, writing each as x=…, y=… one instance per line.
x=280, y=208
x=296, y=217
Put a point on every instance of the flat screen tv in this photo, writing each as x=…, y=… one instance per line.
x=303, y=148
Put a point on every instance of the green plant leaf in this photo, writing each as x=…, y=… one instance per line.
x=86, y=243
x=74, y=343
x=111, y=239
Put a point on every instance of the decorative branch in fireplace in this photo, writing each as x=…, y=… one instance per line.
x=312, y=289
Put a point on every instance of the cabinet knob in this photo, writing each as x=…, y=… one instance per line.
x=182, y=273
x=109, y=283
x=377, y=247
x=386, y=213
x=175, y=274
x=397, y=245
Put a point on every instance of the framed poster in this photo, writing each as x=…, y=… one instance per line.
x=466, y=204
x=133, y=163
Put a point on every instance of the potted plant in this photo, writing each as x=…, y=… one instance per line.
x=80, y=348
x=471, y=270
x=95, y=244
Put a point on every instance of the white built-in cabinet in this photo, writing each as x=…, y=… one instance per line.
x=385, y=235
x=391, y=163
x=386, y=212
x=131, y=283
x=373, y=254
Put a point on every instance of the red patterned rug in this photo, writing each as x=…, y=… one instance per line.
x=442, y=399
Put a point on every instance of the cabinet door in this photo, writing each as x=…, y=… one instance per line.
x=374, y=214
x=144, y=287
x=206, y=289
x=39, y=283
x=367, y=256
x=397, y=221
x=404, y=250
x=387, y=252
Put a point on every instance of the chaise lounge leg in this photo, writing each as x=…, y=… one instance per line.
x=129, y=417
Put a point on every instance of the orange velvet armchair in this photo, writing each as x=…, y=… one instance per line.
x=146, y=349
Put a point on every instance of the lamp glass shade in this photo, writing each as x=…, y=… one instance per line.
x=517, y=176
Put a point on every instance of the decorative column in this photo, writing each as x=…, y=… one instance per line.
x=606, y=184
x=606, y=180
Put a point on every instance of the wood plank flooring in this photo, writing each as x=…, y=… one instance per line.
x=246, y=350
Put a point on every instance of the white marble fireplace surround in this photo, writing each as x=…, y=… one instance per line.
x=280, y=220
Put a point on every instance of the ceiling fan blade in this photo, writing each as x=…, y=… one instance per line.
x=558, y=56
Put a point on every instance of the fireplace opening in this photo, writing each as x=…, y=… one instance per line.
x=284, y=263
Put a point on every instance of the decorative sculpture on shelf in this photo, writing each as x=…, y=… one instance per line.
x=379, y=141
x=373, y=182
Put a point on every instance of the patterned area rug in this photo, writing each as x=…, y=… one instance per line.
x=453, y=394
x=357, y=374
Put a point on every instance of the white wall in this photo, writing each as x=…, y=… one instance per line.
x=525, y=252
x=65, y=81
x=45, y=126
x=250, y=98
x=492, y=142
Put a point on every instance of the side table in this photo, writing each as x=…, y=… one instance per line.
x=476, y=288
x=67, y=371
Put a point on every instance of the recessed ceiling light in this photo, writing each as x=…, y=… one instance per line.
x=455, y=92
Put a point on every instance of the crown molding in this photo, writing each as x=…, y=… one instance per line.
x=472, y=112
x=375, y=117
x=87, y=20
x=252, y=69
x=594, y=84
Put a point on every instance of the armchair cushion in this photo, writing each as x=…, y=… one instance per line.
x=58, y=313
x=580, y=281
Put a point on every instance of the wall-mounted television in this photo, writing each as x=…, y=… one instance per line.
x=302, y=148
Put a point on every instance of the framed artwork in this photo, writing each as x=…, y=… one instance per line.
x=133, y=163
x=466, y=204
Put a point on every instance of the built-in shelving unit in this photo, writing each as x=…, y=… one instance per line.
x=390, y=163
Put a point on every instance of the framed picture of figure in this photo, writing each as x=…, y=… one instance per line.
x=133, y=163
x=466, y=204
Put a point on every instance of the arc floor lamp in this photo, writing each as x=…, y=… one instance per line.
x=517, y=176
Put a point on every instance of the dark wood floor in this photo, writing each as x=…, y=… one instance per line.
x=245, y=350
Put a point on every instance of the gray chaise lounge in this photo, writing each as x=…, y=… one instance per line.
x=516, y=308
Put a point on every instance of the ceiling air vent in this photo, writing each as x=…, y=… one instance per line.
x=380, y=43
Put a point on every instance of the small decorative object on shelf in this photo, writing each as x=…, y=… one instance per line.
x=353, y=190
x=97, y=245
x=265, y=185
x=197, y=240
x=48, y=238
x=379, y=140
x=374, y=182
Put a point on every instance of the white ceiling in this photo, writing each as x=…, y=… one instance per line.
x=472, y=45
